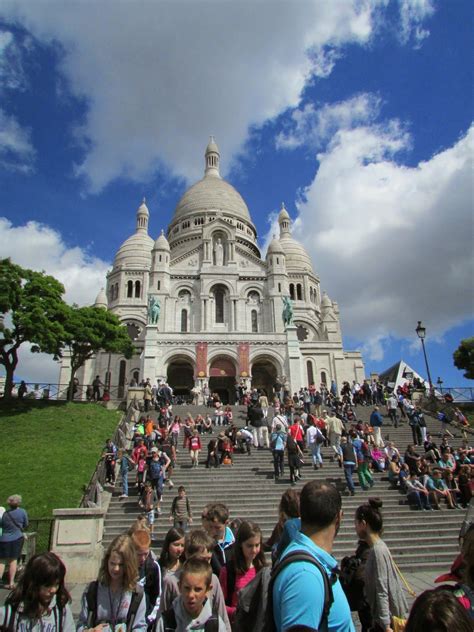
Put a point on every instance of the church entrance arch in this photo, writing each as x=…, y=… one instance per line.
x=180, y=377
x=222, y=379
x=264, y=376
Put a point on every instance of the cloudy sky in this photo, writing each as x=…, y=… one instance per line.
x=357, y=114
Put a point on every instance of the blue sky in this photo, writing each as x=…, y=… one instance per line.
x=358, y=115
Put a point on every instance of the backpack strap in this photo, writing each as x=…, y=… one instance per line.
x=231, y=577
x=137, y=597
x=91, y=599
x=328, y=581
x=169, y=620
x=212, y=624
x=58, y=618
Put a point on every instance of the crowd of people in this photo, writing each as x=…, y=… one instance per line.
x=222, y=576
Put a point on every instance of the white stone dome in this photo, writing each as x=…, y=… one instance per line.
x=275, y=247
x=101, y=299
x=297, y=258
x=212, y=193
x=135, y=251
x=162, y=243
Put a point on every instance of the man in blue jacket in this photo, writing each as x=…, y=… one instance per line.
x=376, y=421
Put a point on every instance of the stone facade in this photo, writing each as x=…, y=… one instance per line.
x=217, y=315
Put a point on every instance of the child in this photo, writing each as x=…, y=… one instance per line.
x=147, y=502
x=215, y=518
x=212, y=454
x=198, y=545
x=180, y=513
x=228, y=416
x=113, y=598
x=247, y=560
x=141, y=470
x=40, y=601
x=194, y=448
x=172, y=552
x=174, y=429
x=192, y=609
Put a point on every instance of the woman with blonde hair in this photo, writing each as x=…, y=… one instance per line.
x=114, y=598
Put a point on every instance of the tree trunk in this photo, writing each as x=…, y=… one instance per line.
x=9, y=361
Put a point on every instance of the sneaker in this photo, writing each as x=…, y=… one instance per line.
x=124, y=496
x=170, y=483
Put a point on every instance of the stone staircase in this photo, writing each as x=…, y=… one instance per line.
x=418, y=540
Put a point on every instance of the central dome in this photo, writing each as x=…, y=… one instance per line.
x=212, y=193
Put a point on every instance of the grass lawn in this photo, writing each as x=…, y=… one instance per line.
x=49, y=450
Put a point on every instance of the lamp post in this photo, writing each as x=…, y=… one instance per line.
x=421, y=333
x=439, y=382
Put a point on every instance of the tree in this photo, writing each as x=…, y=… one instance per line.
x=464, y=357
x=31, y=310
x=90, y=330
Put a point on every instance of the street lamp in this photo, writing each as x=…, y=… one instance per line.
x=421, y=333
x=439, y=382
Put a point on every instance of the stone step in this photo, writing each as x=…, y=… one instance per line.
x=418, y=540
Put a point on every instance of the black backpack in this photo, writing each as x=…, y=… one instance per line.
x=91, y=599
x=170, y=624
x=10, y=612
x=301, y=556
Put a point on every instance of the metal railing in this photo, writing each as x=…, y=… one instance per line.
x=54, y=391
x=460, y=395
x=121, y=439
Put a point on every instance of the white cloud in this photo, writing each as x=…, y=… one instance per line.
x=310, y=125
x=412, y=15
x=16, y=151
x=38, y=247
x=408, y=228
x=158, y=77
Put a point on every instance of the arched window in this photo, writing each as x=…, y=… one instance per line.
x=309, y=369
x=292, y=291
x=299, y=292
x=323, y=378
x=254, y=317
x=219, y=294
x=116, y=290
x=136, y=376
x=121, y=384
x=130, y=289
x=184, y=321
x=137, y=289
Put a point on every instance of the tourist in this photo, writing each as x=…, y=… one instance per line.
x=295, y=458
x=278, y=445
x=147, y=502
x=439, y=610
x=192, y=609
x=418, y=495
x=263, y=403
x=363, y=460
x=376, y=422
x=348, y=459
x=392, y=405
x=298, y=592
x=335, y=428
x=215, y=519
x=383, y=587
x=289, y=523
x=197, y=545
x=247, y=559
x=194, y=448
x=96, y=384
x=40, y=601
x=314, y=441
x=113, y=598
x=171, y=557
x=149, y=573
x=259, y=426
x=173, y=430
x=180, y=512
x=126, y=464
x=14, y=523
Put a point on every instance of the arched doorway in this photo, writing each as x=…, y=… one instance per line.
x=222, y=379
x=180, y=377
x=264, y=376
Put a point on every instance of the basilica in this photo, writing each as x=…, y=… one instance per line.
x=205, y=308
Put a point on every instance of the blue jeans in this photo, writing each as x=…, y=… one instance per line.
x=348, y=471
x=316, y=453
x=278, y=461
x=125, y=483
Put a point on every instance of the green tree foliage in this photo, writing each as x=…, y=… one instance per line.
x=92, y=329
x=464, y=358
x=31, y=310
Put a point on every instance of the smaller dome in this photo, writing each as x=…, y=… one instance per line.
x=136, y=250
x=161, y=243
x=143, y=209
x=212, y=146
x=283, y=213
x=326, y=301
x=297, y=258
x=101, y=300
x=275, y=247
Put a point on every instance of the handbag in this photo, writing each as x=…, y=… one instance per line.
x=398, y=624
